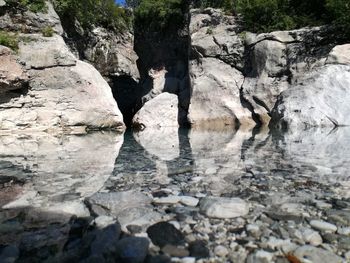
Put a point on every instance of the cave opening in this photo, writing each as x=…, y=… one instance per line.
x=128, y=94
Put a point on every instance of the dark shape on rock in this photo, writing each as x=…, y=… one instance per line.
x=134, y=229
x=106, y=240
x=160, y=194
x=163, y=234
x=198, y=249
x=9, y=254
x=132, y=250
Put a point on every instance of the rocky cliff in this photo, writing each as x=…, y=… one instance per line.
x=239, y=78
x=44, y=87
x=219, y=75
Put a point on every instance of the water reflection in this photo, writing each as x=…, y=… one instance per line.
x=56, y=173
x=215, y=160
x=45, y=179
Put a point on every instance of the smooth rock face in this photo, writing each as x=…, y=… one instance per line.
x=40, y=52
x=12, y=74
x=323, y=226
x=219, y=207
x=160, y=112
x=269, y=63
x=339, y=55
x=112, y=54
x=62, y=95
x=215, y=99
x=314, y=254
x=320, y=99
x=29, y=22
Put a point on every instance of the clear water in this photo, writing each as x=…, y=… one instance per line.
x=45, y=178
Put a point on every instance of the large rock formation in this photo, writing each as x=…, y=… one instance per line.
x=62, y=93
x=319, y=99
x=238, y=76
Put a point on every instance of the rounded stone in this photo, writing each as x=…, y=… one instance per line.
x=220, y=207
x=323, y=226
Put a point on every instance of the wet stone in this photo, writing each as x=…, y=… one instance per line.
x=323, y=226
x=220, y=207
x=175, y=251
x=164, y=233
x=198, y=249
x=220, y=251
x=132, y=250
x=314, y=254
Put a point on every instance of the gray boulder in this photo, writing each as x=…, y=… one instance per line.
x=215, y=99
x=319, y=99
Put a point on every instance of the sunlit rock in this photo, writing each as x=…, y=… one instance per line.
x=319, y=99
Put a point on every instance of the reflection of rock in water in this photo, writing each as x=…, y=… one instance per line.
x=326, y=151
x=59, y=171
x=162, y=142
x=217, y=157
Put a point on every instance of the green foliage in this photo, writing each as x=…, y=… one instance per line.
x=8, y=40
x=32, y=5
x=47, y=31
x=269, y=15
x=340, y=14
x=104, y=13
x=132, y=3
x=209, y=31
x=227, y=5
x=158, y=15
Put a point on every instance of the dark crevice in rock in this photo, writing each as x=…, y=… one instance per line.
x=128, y=93
x=261, y=103
x=13, y=94
x=246, y=104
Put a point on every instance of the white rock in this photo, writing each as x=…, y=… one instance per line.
x=262, y=256
x=104, y=221
x=347, y=255
x=323, y=226
x=220, y=251
x=339, y=55
x=312, y=237
x=172, y=199
x=319, y=99
x=189, y=201
x=188, y=260
x=161, y=111
x=42, y=52
x=220, y=207
x=314, y=254
x=344, y=231
x=215, y=99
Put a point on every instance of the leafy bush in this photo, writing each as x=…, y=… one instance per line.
x=269, y=15
x=339, y=11
x=158, y=15
x=8, y=40
x=47, y=31
x=104, y=13
x=227, y=5
x=32, y=5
